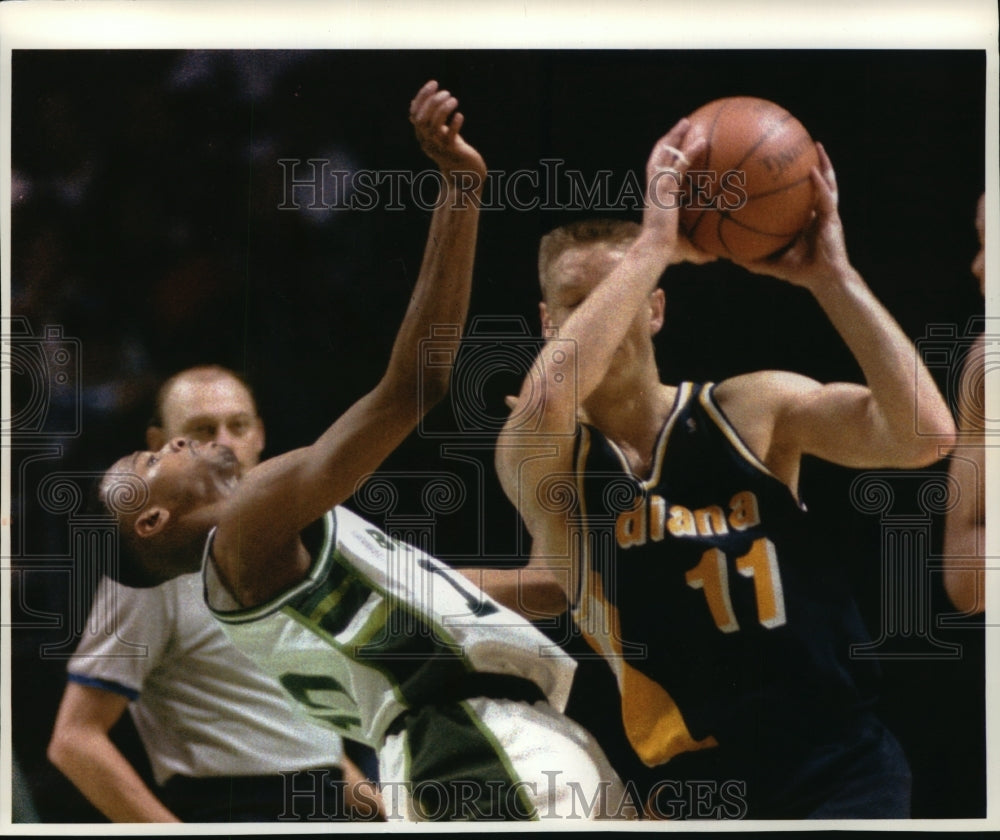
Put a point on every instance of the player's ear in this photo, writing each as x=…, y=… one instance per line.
x=657, y=308
x=151, y=521
x=543, y=315
x=156, y=438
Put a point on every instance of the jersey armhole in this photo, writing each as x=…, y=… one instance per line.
x=230, y=614
x=718, y=416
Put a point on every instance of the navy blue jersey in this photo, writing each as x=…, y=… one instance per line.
x=723, y=619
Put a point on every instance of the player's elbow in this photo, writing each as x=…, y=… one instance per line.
x=929, y=449
x=943, y=434
x=61, y=747
x=933, y=440
x=965, y=589
x=947, y=440
x=937, y=434
x=544, y=409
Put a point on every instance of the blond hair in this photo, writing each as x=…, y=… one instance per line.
x=582, y=234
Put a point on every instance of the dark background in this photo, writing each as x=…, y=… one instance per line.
x=145, y=192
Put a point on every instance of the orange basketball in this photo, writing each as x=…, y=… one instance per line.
x=749, y=194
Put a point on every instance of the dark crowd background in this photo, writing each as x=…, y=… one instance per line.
x=148, y=234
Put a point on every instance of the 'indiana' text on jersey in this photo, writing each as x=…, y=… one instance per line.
x=702, y=586
x=652, y=518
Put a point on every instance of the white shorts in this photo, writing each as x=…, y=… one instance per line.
x=495, y=759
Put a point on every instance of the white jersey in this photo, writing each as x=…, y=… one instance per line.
x=200, y=706
x=378, y=627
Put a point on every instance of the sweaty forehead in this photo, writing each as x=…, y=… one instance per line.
x=218, y=397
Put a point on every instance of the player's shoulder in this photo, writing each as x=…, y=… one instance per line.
x=757, y=403
x=772, y=387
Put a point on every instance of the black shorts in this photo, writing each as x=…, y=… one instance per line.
x=302, y=795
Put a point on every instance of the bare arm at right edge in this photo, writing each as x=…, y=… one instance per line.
x=965, y=525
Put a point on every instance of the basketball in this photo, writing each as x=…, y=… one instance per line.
x=749, y=193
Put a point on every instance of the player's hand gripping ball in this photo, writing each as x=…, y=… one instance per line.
x=749, y=193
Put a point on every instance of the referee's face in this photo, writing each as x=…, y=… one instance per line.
x=216, y=410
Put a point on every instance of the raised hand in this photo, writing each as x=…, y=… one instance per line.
x=665, y=170
x=438, y=125
x=820, y=252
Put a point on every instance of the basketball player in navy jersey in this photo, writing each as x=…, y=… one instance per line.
x=671, y=515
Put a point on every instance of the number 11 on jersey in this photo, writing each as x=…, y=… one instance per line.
x=760, y=563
